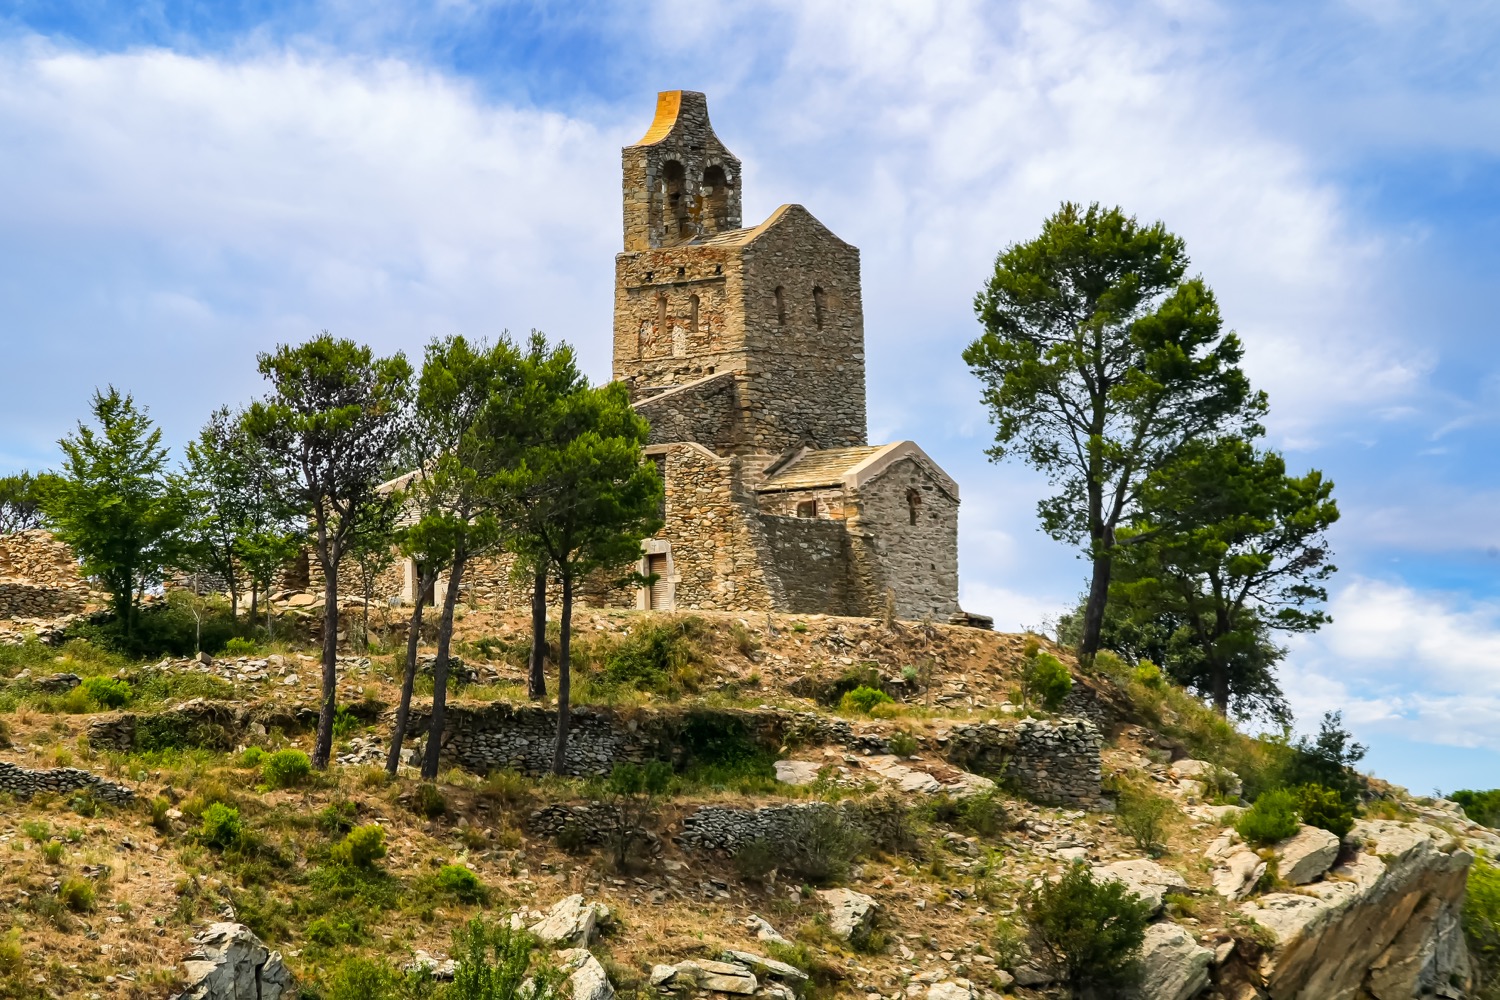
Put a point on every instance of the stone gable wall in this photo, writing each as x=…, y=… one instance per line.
x=705, y=414
x=917, y=561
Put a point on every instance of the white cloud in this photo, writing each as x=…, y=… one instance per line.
x=1417, y=664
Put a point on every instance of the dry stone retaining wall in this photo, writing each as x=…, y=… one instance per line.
x=23, y=783
x=1052, y=761
x=39, y=577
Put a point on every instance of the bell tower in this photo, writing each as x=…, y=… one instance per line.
x=681, y=184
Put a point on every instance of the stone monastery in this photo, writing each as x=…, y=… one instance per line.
x=745, y=349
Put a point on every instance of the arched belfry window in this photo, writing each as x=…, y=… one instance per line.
x=693, y=314
x=780, y=305
x=716, y=198
x=674, y=188
x=818, y=306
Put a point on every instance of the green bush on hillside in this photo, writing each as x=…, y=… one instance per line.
x=1323, y=807
x=161, y=629
x=221, y=826
x=660, y=655
x=1273, y=817
x=461, y=883
x=1044, y=678
x=108, y=692
x=361, y=847
x=495, y=963
x=1091, y=930
x=285, y=768
x=1481, y=807
x=1482, y=924
x=864, y=699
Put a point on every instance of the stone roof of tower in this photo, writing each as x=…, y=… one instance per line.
x=850, y=467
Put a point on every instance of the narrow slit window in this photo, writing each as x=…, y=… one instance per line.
x=661, y=312
x=780, y=305
x=913, y=504
x=693, y=314
x=818, y=306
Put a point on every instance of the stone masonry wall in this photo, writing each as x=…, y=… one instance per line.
x=39, y=577
x=704, y=412
x=918, y=561
x=1054, y=761
x=810, y=557
x=23, y=783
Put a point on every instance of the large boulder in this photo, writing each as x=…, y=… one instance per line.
x=851, y=915
x=229, y=962
x=570, y=922
x=1386, y=925
x=1173, y=965
x=585, y=975
x=1146, y=880
x=1306, y=855
x=1237, y=869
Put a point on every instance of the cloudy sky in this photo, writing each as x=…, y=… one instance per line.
x=185, y=184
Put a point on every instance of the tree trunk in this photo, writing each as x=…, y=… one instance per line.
x=408, y=678
x=440, y=671
x=324, y=748
x=564, y=681
x=1093, y=611
x=536, y=681
x=364, y=620
x=234, y=602
x=254, y=602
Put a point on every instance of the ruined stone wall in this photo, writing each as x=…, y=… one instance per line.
x=918, y=561
x=810, y=557
x=23, y=783
x=40, y=578
x=705, y=413
x=1053, y=761
x=807, y=364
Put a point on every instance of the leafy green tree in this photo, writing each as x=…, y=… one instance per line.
x=585, y=500
x=1232, y=547
x=1481, y=807
x=217, y=471
x=372, y=551
x=1099, y=361
x=116, y=504
x=334, y=421
x=21, y=506
x=1092, y=930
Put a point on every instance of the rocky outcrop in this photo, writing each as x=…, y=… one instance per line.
x=571, y=922
x=1306, y=855
x=1146, y=880
x=1237, y=869
x=1173, y=965
x=1384, y=925
x=851, y=915
x=586, y=977
x=229, y=962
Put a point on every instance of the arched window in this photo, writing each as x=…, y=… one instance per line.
x=674, y=186
x=780, y=305
x=661, y=313
x=913, y=504
x=693, y=314
x=818, y=306
x=716, y=199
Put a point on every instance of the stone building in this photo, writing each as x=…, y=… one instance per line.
x=744, y=348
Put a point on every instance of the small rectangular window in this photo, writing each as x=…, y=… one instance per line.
x=807, y=508
x=660, y=461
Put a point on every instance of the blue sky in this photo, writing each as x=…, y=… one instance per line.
x=185, y=184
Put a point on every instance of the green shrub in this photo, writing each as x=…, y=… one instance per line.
x=52, y=852
x=252, y=756
x=461, y=883
x=77, y=894
x=1273, y=817
x=1142, y=816
x=720, y=751
x=1323, y=807
x=756, y=859
x=361, y=847
x=12, y=955
x=345, y=723
x=159, y=818
x=902, y=743
x=821, y=845
x=338, y=818
x=37, y=831
x=1481, y=807
x=1148, y=675
x=863, y=699
x=108, y=692
x=428, y=801
x=239, y=646
x=370, y=979
x=1092, y=931
x=1482, y=924
x=161, y=629
x=660, y=655
x=221, y=826
x=494, y=962
x=1045, y=680
x=285, y=768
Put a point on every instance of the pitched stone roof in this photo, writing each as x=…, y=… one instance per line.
x=850, y=467
x=819, y=468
